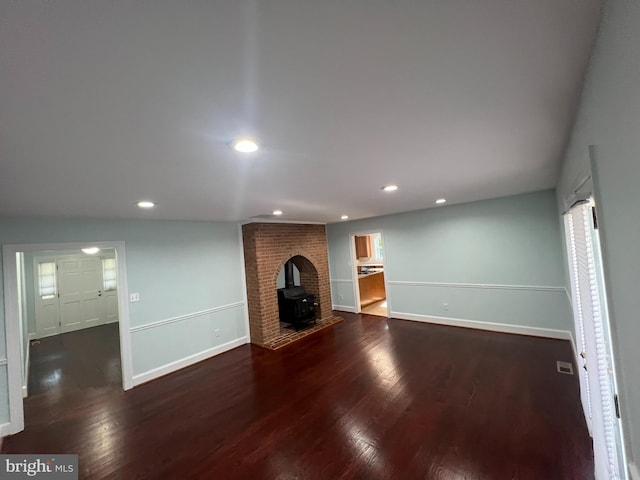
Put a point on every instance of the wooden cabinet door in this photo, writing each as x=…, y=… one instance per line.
x=363, y=246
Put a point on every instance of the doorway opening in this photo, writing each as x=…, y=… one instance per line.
x=61, y=302
x=368, y=262
x=71, y=320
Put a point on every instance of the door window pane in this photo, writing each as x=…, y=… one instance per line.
x=47, y=280
x=109, y=273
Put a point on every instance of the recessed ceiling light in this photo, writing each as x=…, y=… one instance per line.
x=441, y=200
x=277, y=212
x=91, y=250
x=390, y=188
x=146, y=204
x=344, y=217
x=245, y=145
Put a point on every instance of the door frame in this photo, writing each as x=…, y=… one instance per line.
x=354, y=266
x=12, y=329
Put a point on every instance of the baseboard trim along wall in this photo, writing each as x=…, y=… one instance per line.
x=181, y=318
x=187, y=361
x=343, y=308
x=633, y=471
x=493, y=327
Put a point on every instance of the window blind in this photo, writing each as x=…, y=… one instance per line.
x=588, y=312
x=47, y=279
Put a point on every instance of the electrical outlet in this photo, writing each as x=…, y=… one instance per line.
x=216, y=332
x=445, y=307
x=134, y=297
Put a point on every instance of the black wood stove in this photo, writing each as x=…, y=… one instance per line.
x=296, y=306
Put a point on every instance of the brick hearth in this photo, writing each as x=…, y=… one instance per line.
x=267, y=246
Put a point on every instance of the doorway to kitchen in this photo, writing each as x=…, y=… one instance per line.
x=368, y=262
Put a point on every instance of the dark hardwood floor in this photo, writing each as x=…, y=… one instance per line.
x=370, y=398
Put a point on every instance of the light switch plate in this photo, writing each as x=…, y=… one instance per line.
x=134, y=297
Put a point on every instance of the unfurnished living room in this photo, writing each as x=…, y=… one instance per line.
x=320, y=240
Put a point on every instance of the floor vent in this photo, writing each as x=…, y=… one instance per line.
x=564, y=367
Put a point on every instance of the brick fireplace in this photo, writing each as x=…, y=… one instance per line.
x=267, y=247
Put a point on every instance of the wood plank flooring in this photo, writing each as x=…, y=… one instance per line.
x=370, y=398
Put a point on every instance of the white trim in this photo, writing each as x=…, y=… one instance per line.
x=33, y=336
x=3, y=361
x=27, y=359
x=187, y=361
x=340, y=280
x=479, y=325
x=5, y=429
x=12, y=333
x=243, y=276
x=344, y=308
x=160, y=323
x=633, y=471
x=490, y=286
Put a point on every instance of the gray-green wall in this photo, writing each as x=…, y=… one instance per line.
x=495, y=261
x=609, y=119
x=179, y=268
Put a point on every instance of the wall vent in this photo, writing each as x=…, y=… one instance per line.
x=564, y=367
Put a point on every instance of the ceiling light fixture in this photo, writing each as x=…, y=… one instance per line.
x=146, y=204
x=344, y=217
x=441, y=200
x=91, y=250
x=390, y=188
x=277, y=212
x=245, y=145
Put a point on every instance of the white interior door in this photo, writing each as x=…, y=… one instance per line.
x=597, y=378
x=81, y=305
x=46, y=297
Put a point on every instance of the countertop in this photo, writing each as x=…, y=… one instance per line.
x=371, y=272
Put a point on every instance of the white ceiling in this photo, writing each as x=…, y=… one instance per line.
x=104, y=103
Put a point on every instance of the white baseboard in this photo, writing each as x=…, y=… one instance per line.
x=344, y=308
x=187, y=361
x=493, y=327
x=634, y=473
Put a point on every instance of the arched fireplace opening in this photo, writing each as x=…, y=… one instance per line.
x=298, y=292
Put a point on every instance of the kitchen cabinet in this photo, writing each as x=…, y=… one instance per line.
x=363, y=246
x=371, y=288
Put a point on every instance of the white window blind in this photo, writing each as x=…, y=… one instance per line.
x=572, y=255
x=47, y=280
x=109, y=274
x=588, y=303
